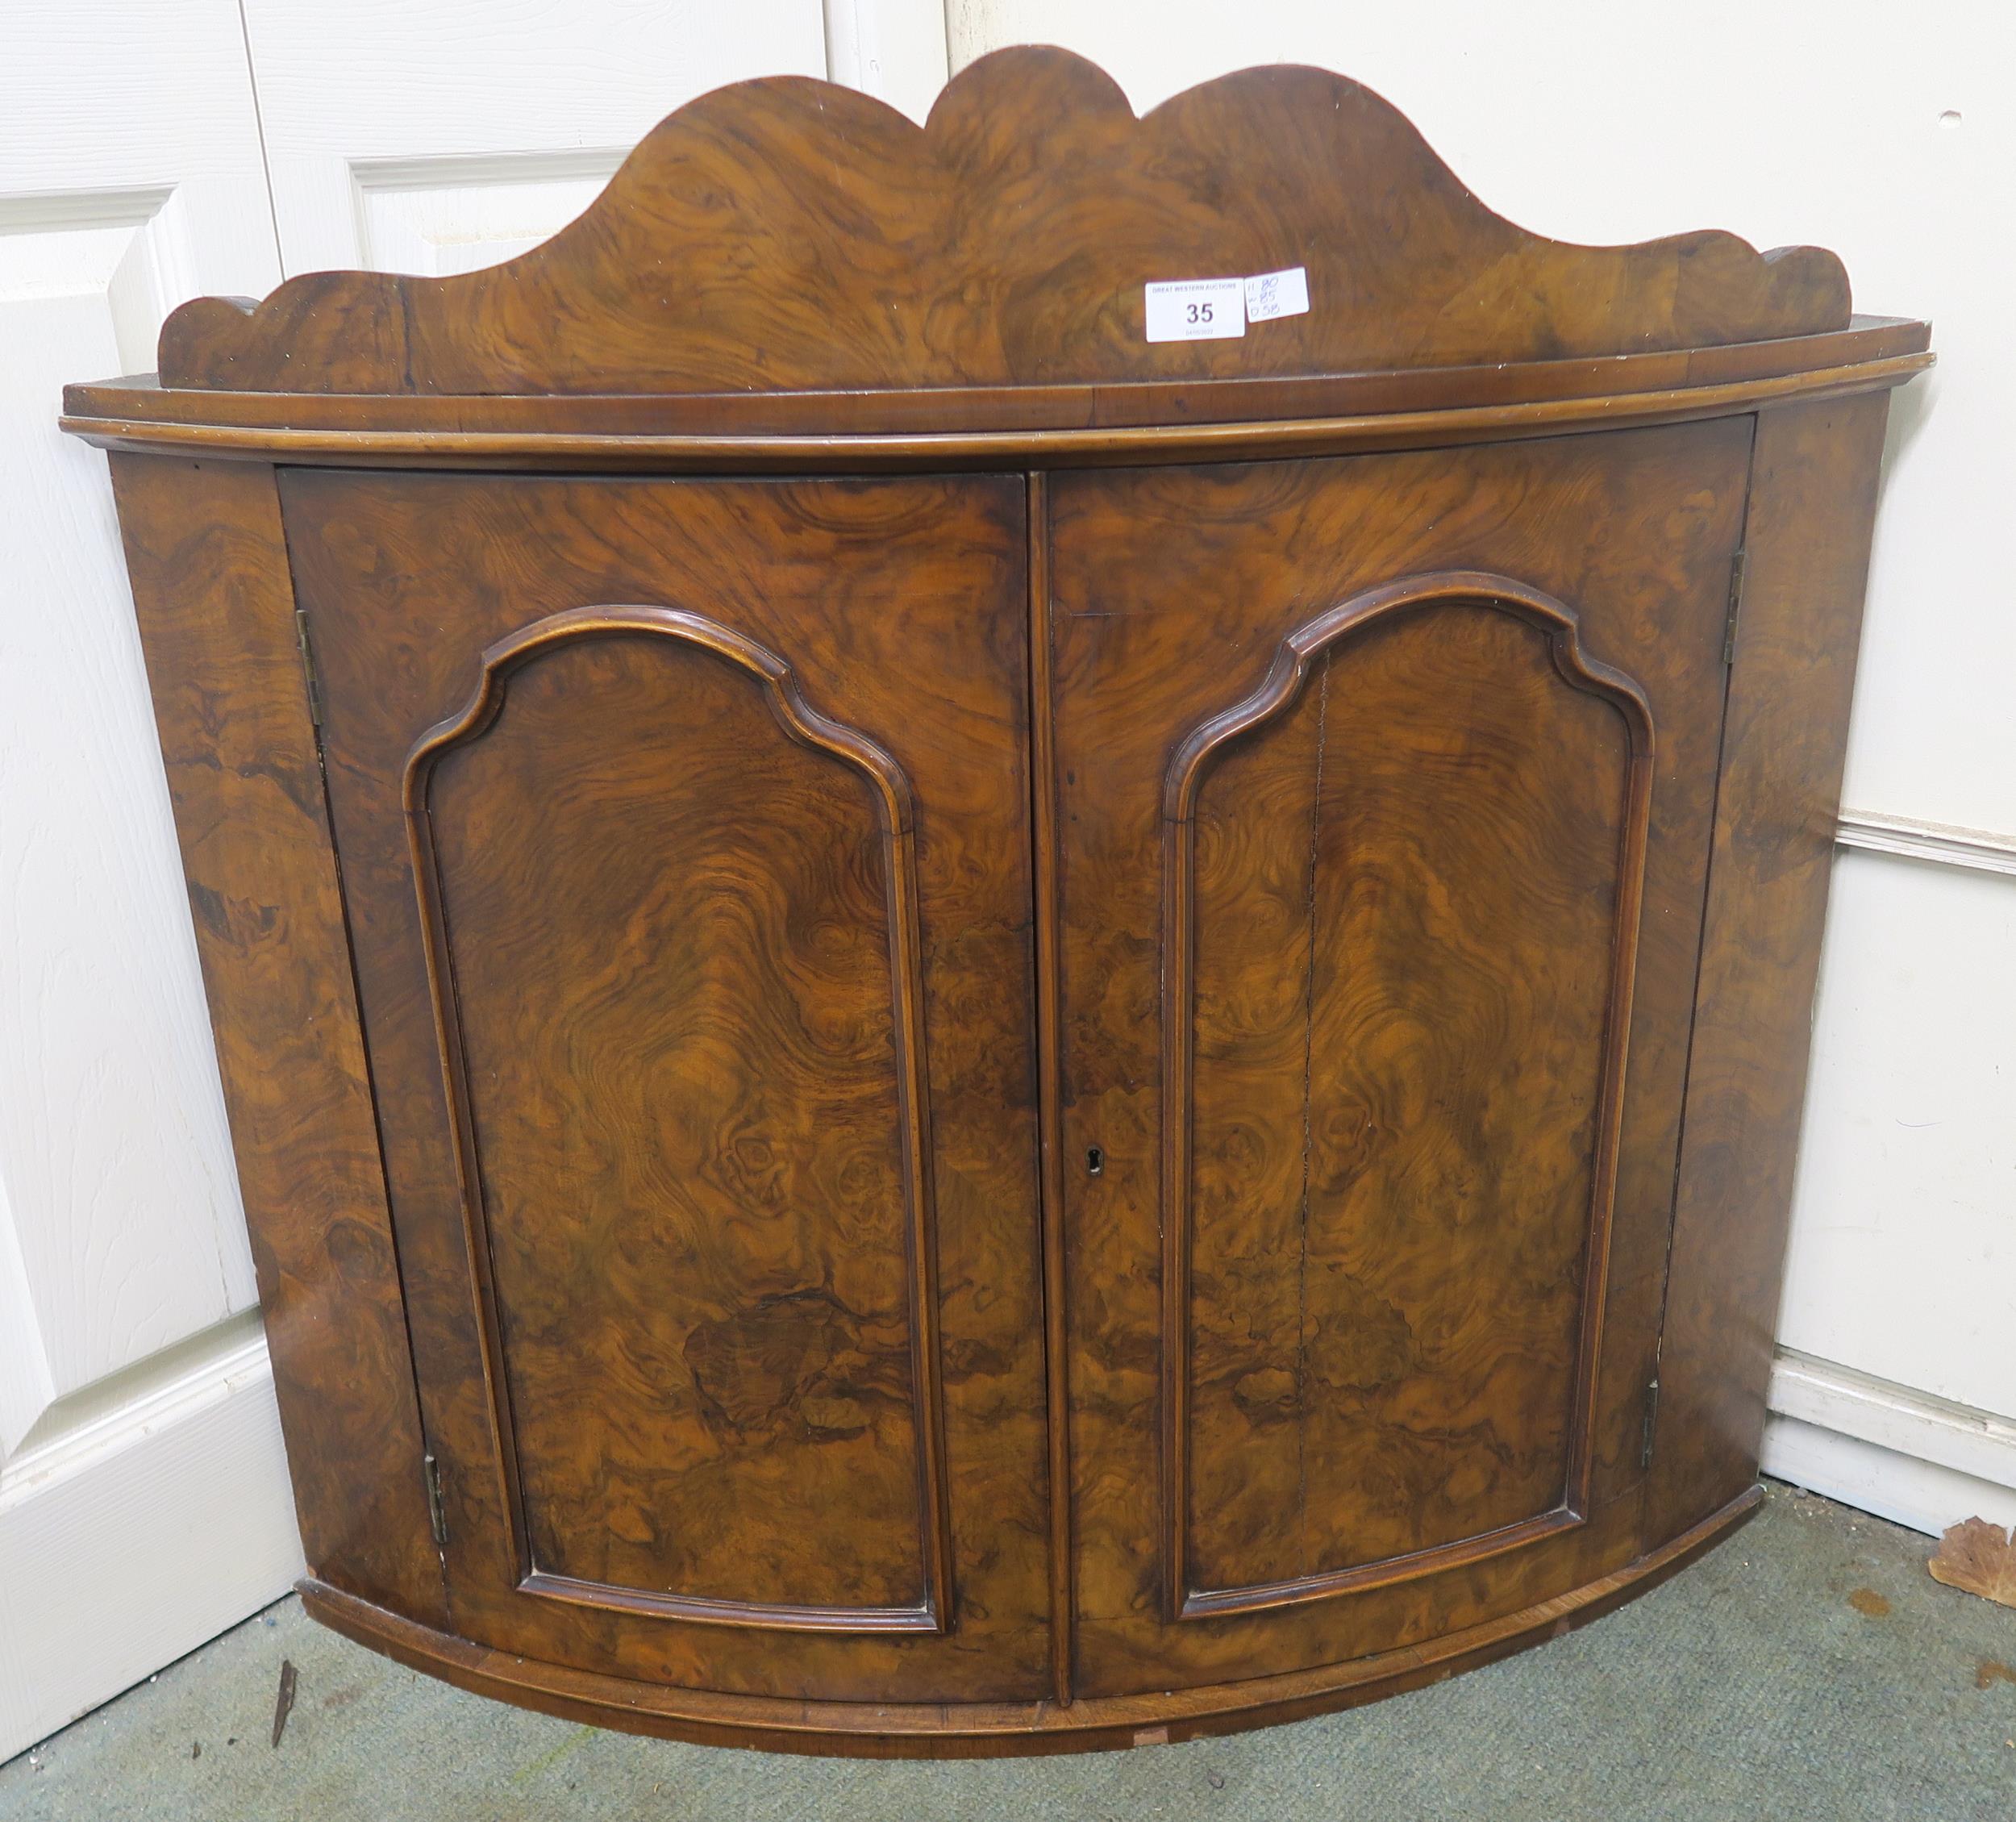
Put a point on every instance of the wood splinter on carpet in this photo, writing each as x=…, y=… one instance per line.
x=284, y=1703
x=1979, y=1558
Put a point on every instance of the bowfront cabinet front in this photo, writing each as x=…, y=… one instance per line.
x=952, y=1028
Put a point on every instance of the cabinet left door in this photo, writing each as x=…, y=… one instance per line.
x=682, y=826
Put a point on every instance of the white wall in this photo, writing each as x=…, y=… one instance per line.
x=1891, y=139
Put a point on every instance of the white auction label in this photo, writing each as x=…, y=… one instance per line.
x=1197, y=309
x=1277, y=294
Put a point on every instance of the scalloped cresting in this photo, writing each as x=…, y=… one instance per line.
x=789, y=235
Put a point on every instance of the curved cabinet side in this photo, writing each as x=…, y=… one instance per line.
x=207, y=557
x=1812, y=509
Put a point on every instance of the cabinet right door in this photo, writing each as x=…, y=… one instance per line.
x=1386, y=786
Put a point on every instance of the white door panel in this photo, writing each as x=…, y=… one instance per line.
x=440, y=216
x=118, y=1165
x=442, y=136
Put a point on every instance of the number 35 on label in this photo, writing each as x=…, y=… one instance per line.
x=1197, y=309
x=1203, y=310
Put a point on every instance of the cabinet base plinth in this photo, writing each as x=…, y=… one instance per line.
x=983, y=1730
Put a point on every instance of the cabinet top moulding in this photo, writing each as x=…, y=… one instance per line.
x=787, y=273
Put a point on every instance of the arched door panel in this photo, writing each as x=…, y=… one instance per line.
x=1400, y=929
x=671, y=919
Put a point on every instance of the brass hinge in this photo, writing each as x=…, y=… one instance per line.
x=1736, y=607
x=1651, y=1421
x=308, y=666
x=437, y=1516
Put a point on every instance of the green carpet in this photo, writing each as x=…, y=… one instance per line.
x=1809, y=1668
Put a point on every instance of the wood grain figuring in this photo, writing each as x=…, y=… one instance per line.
x=759, y=1017
x=785, y=234
x=208, y=562
x=768, y=1135
x=1387, y=1175
x=1172, y=593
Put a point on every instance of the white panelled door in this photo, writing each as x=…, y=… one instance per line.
x=438, y=135
x=151, y=151
x=144, y=1500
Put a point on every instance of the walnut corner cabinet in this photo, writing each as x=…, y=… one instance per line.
x=980, y=993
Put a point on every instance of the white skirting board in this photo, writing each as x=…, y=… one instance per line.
x=1902, y=1453
x=137, y=1535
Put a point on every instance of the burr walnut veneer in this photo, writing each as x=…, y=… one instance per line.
x=950, y=1032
